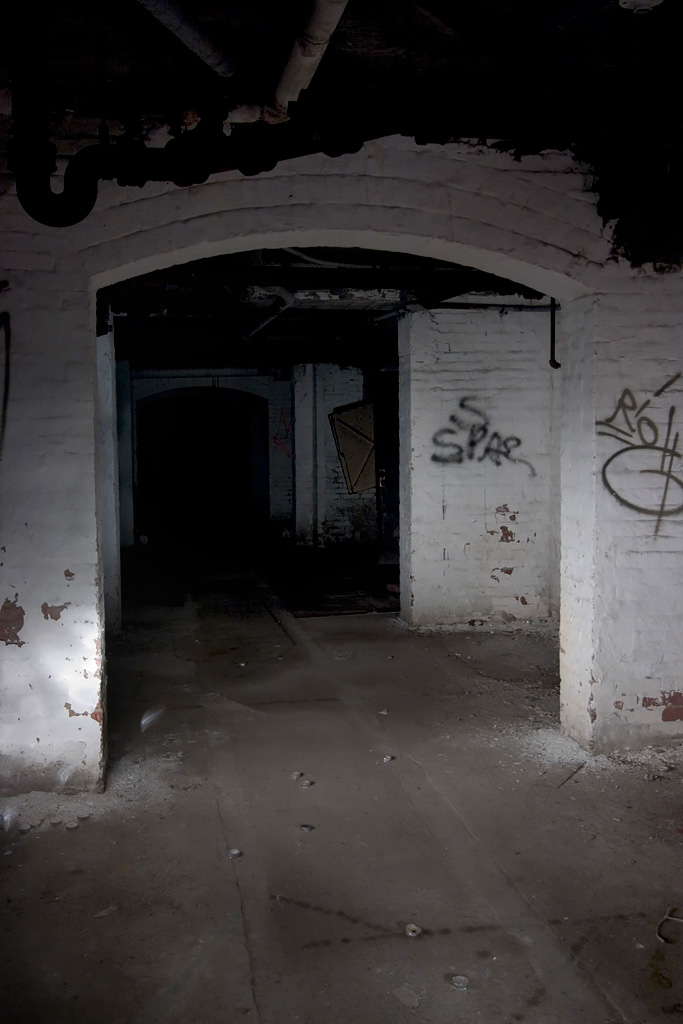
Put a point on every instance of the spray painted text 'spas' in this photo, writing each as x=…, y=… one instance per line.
x=469, y=439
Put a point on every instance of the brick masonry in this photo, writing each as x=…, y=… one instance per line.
x=532, y=221
x=483, y=501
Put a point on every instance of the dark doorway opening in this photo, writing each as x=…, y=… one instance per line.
x=202, y=471
x=202, y=482
x=225, y=480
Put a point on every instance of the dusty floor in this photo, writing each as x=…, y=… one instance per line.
x=538, y=874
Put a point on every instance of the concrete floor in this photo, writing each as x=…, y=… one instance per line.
x=537, y=873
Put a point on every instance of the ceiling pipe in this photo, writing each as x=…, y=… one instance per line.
x=188, y=159
x=308, y=51
x=190, y=35
x=33, y=166
x=304, y=59
x=282, y=301
x=639, y=6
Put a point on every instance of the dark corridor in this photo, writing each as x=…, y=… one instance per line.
x=202, y=473
x=202, y=479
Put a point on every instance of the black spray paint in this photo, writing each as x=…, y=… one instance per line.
x=475, y=444
x=643, y=458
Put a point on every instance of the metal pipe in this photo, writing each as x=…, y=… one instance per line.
x=33, y=166
x=308, y=51
x=190, y=35
x=302, y=64
x=283, y=300
x=553, y=361
x=187, y=160
x=517, y=307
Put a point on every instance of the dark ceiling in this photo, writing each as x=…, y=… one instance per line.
x=271, y=308
x=588, y=75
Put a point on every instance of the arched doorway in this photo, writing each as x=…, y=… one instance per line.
x=531, y=222
x=202, y=472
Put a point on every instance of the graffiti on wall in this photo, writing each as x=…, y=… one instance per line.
x=282, y=438
x=646, y=472
x=470, y=439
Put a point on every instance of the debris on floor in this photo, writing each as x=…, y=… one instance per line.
x=406, y=996
x=534, y=880
x=460, y=981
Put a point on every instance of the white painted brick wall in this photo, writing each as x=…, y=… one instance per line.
x=621, y=636
x=325, y=511
x=577, y=514
x=481, y=545
x=531, y=221
x=342, y=516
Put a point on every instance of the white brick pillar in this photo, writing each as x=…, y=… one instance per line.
x=622, y=517
x=479, y=506
x=50, y=577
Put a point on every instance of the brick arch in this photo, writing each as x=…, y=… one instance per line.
x=532, y=222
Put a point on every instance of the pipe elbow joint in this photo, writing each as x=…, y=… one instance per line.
x=33, y=165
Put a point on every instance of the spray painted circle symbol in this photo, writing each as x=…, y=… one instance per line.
x=642, y=478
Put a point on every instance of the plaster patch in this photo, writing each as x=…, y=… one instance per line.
x=671, y=701
x=11, y=622
x=74, y=714
x=52, y=611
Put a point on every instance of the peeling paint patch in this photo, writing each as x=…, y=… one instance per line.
x=74, y=714
x=97, y=713
x=11, y=622
x=52, y=611
x=523, y=600
x=504, y=511
x=671, y=701
x=69, y=575
x=619, y=705
x=506, y=535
